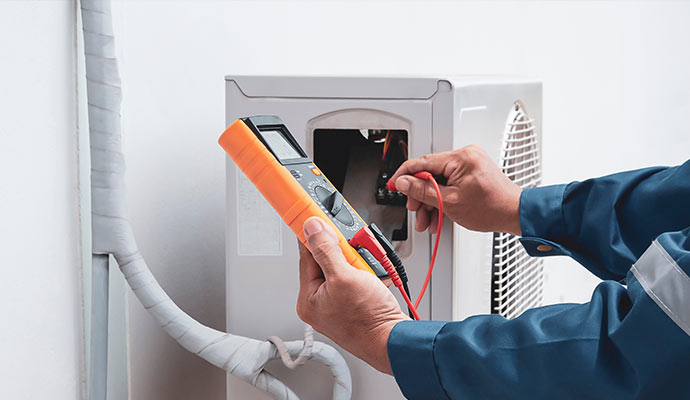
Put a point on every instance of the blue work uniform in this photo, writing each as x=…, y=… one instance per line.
x=632, y=340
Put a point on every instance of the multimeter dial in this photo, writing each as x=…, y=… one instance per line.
x=322, y=194
x=334, y=203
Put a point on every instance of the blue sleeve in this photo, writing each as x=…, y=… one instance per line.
x=627, y=342
x=606, y=223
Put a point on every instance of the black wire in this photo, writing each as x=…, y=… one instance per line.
x=400, y=269
x=394, y=258
x=407, y=291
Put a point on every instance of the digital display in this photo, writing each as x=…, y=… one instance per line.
x=279, y=145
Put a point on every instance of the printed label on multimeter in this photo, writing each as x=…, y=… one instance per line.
x=263, y=148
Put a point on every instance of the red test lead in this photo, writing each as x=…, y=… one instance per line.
x=427, y=176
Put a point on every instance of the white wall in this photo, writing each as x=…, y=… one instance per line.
x=40, y=268
x=616, y=96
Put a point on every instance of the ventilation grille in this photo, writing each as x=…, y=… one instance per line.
x=517, y=278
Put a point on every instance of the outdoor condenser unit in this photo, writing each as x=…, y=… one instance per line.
x=357, y=130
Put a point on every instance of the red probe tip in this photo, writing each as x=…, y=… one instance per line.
x=423, y=175
x=390, y=185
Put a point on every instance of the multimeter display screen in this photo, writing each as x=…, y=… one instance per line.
x=279, y=145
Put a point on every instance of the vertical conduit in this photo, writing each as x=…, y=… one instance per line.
x=98, y=362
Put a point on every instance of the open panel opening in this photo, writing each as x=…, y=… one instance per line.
x=358, y=163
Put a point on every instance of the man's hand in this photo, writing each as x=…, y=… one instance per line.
x=477, y=195
x=352, y=307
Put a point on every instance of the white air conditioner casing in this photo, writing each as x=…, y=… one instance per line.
x=501, y=114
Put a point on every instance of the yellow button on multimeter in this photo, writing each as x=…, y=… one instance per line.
x=270, y=157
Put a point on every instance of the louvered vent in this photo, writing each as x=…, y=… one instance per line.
x=517, y=278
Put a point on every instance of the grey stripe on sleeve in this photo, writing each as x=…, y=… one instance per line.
x=666, y=283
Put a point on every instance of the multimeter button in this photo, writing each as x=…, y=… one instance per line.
x=316, y=171
x=345, y=217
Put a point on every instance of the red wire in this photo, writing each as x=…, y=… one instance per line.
x=412, y=308
x=431, y=179
x=388, y=266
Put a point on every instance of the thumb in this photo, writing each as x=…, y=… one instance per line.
x=418, y=189
x=323, y=245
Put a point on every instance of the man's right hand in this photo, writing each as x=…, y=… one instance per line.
x=477, y=195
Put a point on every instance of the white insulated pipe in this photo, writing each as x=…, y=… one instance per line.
x=240, y=356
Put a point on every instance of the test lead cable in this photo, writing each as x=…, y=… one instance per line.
x=366, y=239
x=427, y=176
x=393, y=256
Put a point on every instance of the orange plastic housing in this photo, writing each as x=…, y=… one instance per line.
x=278, y=186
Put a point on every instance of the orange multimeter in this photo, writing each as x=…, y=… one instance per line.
x=265, y=150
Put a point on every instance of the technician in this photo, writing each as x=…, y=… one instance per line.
x=630, y=341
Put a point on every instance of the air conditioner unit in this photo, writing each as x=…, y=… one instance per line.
x=343, y=122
